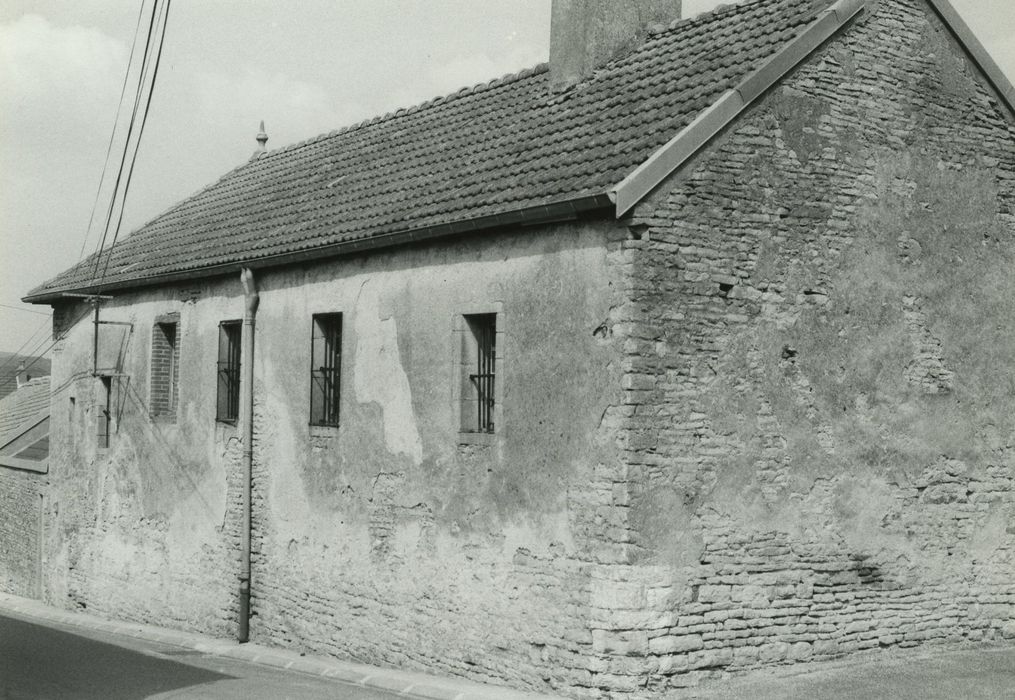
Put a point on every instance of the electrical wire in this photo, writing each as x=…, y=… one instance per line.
x=130, y=131
x=158, y=12
x=140, y=133
x=17, y=354
x=34, y=354
x=38, y=356
x=112, y=136
x=27, y=311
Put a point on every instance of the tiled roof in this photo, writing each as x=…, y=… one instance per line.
x=10, y=369
x=505, y=146
x=23, y=409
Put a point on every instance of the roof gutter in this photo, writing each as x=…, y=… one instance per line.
x=732, y=104
x=976, y=52
x=553, y=212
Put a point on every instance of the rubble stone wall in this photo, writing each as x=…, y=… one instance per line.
x=20, y=522
x=819, y=383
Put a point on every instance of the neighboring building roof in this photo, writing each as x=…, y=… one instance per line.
x=509, y=151
x=24, y=426
x=10, y=370
x=23, y=409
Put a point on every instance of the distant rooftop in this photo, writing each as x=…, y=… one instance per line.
x=23, y=409
x=10, y=365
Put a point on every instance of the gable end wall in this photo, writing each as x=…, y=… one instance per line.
x=817, y=418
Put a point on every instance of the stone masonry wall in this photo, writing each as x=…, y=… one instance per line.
x=393, y=539
x=819, y=383
x=20, y=513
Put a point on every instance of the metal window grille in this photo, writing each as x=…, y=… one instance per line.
x=104, y=420
x=326, y=369
x=228, y=403
x=482, y=380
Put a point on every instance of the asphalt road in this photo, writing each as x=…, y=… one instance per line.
x=51, y=662
x=45, y=663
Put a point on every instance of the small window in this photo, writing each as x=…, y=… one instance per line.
x=228, y=403
x=104, y=419
x=326, y=369
x=478, y=364
x=165, y=368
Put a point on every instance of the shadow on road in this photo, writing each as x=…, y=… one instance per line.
x=37, y=662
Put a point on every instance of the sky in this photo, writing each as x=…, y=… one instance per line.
x=305, y=68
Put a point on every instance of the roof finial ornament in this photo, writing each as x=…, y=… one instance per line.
x=262, y=140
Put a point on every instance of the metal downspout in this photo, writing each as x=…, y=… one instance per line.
x=251, y=300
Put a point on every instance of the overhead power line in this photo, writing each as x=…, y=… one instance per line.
x=147, y=75
x=52, y=342
x=142, y=74
x=112, y=135
x=20, y=352
x=27, y=311
x=140, y=133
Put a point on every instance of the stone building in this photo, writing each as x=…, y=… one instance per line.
x=24, y=462
x=687, y=354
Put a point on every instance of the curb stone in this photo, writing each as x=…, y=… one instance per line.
x=403, y=683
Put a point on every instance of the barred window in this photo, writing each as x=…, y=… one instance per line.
x=326, y=369
x=165, y=367
x=228, y=403
x=479, y=356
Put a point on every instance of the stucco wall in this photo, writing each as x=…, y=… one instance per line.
x=389, y=540
x=818, y=373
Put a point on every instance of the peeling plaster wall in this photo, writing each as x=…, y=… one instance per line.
x=818, y=374
x=147, y=530
x=389, y=540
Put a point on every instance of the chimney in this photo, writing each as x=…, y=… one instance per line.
x=586, y=34
x=262, y=140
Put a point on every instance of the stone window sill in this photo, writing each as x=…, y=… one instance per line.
x=324, y=431
x=470, y=438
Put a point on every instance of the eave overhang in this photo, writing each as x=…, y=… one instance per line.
x=554, y=212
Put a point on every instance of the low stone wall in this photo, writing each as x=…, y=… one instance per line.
x=20, y=523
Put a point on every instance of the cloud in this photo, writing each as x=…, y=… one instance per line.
x=442, y=78
x=292, y=109
x=58, y=96
x=185, y=149
x=65, y=77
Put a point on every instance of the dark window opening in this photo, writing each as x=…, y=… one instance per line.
x=228, y=403
x=326, y=369
x=479, y=355
x=105, y=417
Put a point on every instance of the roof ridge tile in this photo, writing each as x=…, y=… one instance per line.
x=445, y=98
